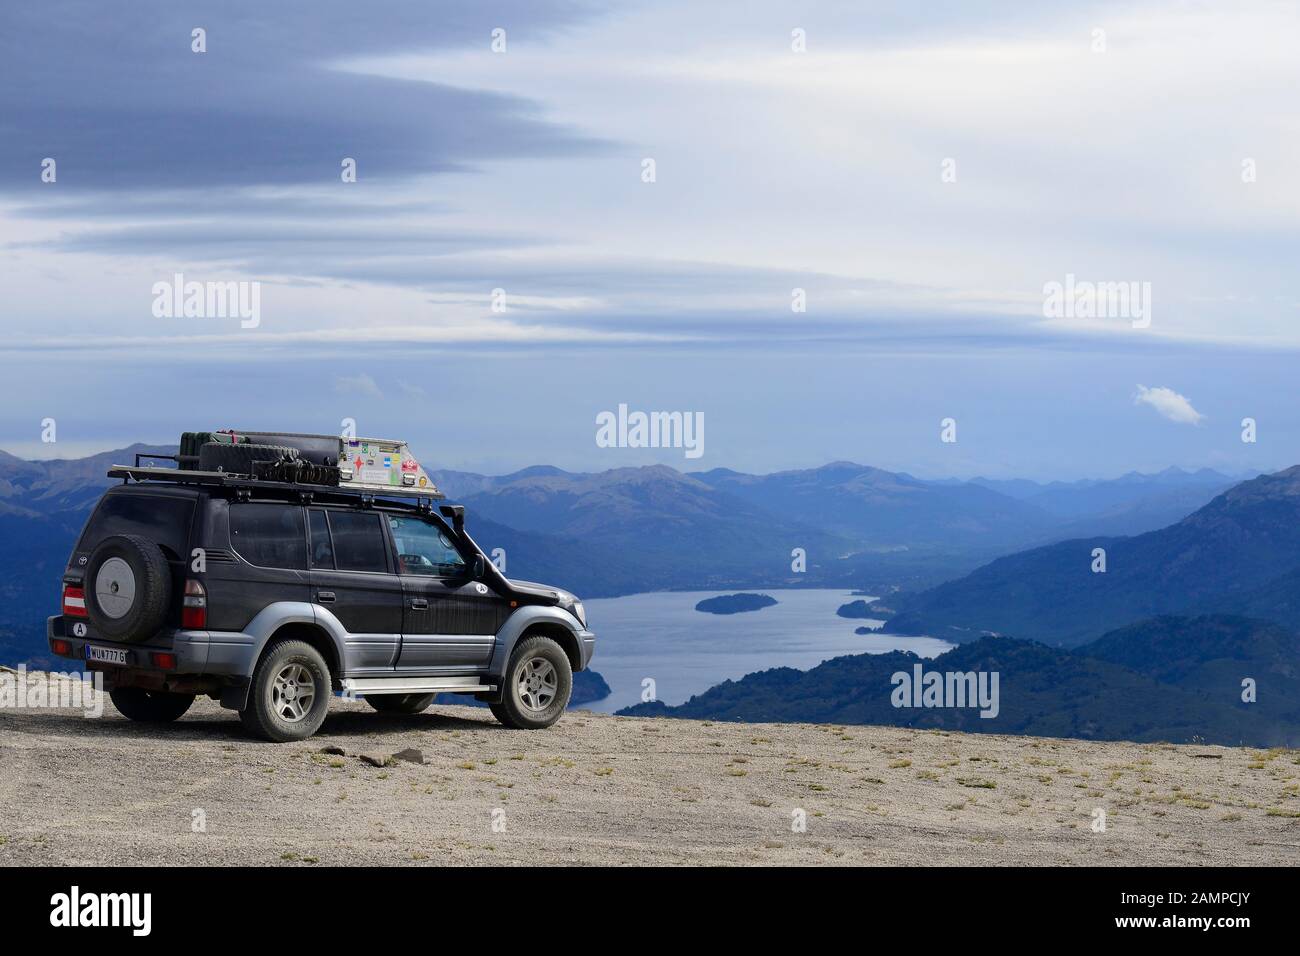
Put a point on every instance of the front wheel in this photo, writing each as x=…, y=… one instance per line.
x=290, y=693
x=538, y=683
x=149, y=706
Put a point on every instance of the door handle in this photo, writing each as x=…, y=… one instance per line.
x=325, y=597
x=419, y=604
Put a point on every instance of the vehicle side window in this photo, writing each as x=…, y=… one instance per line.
x=358, y=541
x=423, y=548
x=322, y=551
x=269, y=535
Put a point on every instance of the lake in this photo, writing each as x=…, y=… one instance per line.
x=662, y=637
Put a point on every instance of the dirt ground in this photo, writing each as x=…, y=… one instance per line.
x=596, y=789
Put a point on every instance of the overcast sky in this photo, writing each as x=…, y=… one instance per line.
x=922, y=172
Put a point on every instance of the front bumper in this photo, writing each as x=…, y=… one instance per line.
x=208, y=653
x=586, y=647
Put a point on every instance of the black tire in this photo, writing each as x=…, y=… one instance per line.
x=128, y=599
x=238, y=459
x=269, y=713
x=401, y=703
x=149, y=706
x=297, y=470
x=515, y=710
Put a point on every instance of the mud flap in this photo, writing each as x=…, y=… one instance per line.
x=235, y=696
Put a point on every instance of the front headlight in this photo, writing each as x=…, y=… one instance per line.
x=578, y=611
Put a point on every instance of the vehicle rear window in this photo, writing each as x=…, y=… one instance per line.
x=162, y=519
x=269, y=535
x=359, y=543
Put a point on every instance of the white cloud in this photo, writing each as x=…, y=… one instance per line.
x=1168, y=403
x=361, y=384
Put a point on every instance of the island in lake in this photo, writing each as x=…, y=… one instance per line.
x=735, y=603
x=855, y=609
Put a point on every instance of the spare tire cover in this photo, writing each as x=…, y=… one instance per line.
x=128, y=586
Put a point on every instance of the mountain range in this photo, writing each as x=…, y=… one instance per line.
x=859, y=526
x=1240, y=553
x=1127, y=505
x=653, y=528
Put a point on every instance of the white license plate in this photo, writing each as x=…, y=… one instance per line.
x=106, y=655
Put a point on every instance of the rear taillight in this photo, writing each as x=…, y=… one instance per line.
x=74, y=601
x=61, y=647
x=194, y=608
x=166, y=662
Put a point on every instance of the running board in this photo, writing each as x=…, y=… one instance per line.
x=414, y=685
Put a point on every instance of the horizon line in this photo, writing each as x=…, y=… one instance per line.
x=99, y=448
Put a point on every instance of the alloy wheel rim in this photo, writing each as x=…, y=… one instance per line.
x=539, y=683
x=292, y=692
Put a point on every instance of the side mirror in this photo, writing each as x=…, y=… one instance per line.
x=480, y=567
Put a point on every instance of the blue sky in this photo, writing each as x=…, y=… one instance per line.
x=921, y=173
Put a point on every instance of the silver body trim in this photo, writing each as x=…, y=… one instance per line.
x=414, y=685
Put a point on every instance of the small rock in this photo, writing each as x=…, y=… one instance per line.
x=373, y=759
x=410, y=755
x=336, y=751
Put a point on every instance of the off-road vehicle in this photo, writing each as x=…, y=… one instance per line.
x=271, y=571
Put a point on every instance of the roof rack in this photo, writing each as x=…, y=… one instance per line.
x=380, y=465
x=225, y=479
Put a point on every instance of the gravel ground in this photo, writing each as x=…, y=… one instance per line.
x=613, y=790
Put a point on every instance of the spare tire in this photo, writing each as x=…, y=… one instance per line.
x=128, y=586
x=238, y=459
x=298, y=470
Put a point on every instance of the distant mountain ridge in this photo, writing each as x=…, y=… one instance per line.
x=1240, y=552
x=888, y=509
x=676, y=531
x=1131, y=504
x=34, y=488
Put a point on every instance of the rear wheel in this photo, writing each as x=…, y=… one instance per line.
x=149, y=706
x=290, y=693
x=539, y=680
x=401, y=703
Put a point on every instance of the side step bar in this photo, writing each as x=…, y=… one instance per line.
x=414, y=685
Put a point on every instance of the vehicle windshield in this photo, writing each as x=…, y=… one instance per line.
x=423, y=548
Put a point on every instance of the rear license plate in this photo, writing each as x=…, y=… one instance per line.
x=107, y=655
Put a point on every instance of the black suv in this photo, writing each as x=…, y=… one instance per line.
x=270, y=595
